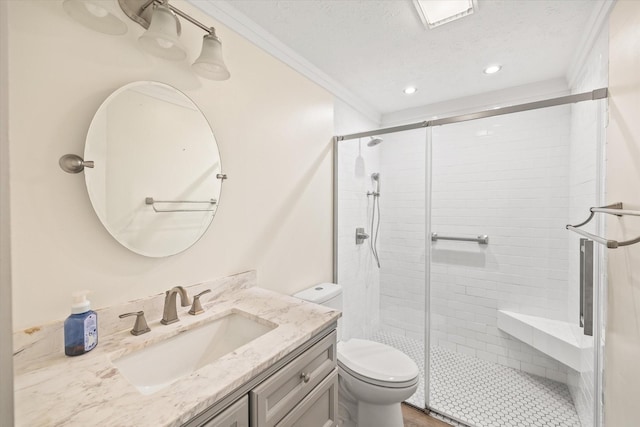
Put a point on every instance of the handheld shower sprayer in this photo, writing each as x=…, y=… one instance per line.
x=376, y=177
x=375, y=213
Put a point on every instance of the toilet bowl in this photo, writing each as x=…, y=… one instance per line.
x=373, y=378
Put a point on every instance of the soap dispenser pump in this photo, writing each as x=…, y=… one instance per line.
x=81, y=327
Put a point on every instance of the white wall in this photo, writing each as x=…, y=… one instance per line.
x=273, y=127
x=622, y=348
x=6, y=355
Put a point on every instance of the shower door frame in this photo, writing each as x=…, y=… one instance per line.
x=599, y=293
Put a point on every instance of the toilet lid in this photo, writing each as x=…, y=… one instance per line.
x=377, y=363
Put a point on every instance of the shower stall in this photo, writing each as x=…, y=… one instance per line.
x=469, y=268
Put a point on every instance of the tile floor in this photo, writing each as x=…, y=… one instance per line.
x=483, y=394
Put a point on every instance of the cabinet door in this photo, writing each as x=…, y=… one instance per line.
x=279, y=394
x=318, y=409
x=236, y=415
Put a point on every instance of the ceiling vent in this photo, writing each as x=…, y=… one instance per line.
x=438, y=12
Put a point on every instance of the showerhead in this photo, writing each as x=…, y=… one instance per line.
x=374, y=142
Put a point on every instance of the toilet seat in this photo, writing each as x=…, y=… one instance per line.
x=377, y=364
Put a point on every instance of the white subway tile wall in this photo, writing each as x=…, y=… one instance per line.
x=357, y=272
x=507, y=177
x=402, y=233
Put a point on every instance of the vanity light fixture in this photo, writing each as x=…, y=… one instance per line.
x=410, y=90
x=162, y=38
x=163, y=31
x=93, y=14
x=210, y=64
x=492, y=69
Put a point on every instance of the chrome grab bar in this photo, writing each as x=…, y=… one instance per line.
x=482, y=239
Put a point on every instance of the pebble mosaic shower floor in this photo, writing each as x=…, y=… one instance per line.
x=483, y=394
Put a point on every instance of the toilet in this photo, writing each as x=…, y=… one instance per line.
x=373, y=378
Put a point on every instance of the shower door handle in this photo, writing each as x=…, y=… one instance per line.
x=586, y=286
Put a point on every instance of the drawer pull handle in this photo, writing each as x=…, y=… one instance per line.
x=305, y=377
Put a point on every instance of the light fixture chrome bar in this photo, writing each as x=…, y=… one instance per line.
x=553, y=102
x=187, y=17
x=151, y=201
x=482, y=239
x=137, y=11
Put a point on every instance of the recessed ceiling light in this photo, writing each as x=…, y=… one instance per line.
x=410, y=90
x=492, y=69
x=434, y=13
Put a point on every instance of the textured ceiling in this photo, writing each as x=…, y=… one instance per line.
x=376, y=48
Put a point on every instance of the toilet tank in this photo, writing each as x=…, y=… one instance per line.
x=326, y=294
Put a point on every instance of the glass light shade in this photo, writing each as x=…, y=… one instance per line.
x=94, y=15
x=210, y=63
x=161, y=39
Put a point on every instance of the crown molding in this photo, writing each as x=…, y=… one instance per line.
x=229, y=16
x=596, y=23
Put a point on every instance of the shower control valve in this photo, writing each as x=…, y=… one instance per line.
x=361, y=236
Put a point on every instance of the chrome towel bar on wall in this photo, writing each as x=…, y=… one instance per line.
x=613, y=209
x=151, y=201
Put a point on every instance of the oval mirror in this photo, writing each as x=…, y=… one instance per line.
x=154, y=185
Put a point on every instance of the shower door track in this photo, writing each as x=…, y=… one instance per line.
x=569, y=99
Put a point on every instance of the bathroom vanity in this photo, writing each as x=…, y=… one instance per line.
x=301, y=392
x=281, y=369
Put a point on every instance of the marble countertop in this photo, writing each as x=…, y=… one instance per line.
x=88, y=390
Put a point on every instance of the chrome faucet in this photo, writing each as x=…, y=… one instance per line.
x=170, y=314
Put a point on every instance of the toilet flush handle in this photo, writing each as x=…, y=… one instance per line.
x=305, y=377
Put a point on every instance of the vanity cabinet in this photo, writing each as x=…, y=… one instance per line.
x=236, y=415
x=277, y=396
x=299, y=391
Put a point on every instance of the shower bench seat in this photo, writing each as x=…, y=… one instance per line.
x=560, y=340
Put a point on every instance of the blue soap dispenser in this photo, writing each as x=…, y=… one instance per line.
x=81, y=328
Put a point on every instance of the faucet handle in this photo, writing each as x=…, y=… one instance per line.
x=140, y=327
x=196, y=308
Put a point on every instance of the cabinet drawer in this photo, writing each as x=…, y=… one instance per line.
x=276, y=397
x=236, y=415
x=319, y=408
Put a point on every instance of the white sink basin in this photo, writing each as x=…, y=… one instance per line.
x=155, y=367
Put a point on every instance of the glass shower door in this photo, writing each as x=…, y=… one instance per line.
x=386, y=302
x=499, y=307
